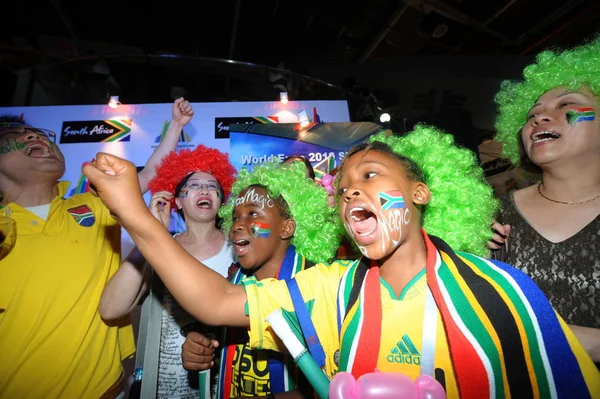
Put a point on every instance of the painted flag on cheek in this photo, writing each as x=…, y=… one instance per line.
x=577, y=115
x=391, y=200
x=261, y=230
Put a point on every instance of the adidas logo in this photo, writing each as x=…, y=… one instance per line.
x=404, y=352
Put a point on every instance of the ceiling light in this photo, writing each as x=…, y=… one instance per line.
x=385, y=117
x=303, y=118
x=283, y=96
x=114, y=102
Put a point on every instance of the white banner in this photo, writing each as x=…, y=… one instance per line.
x=133, y=131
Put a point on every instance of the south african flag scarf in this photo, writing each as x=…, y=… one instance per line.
x=504, y=337
x=281, y=379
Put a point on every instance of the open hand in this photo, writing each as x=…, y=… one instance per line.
x=182, y=111
x=160, y=207
x=197, y=352
x=115, y=181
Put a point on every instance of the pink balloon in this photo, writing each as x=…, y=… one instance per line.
x=342, y=386
x=429, y=388
x=326, y=180
x=384, y=385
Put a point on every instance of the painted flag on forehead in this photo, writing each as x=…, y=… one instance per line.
x=391, y=200
x=261, y=230
x=577, y=115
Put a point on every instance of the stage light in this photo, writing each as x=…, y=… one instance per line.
x=385, y=117
x=283, y=96
x=114, y=102
x=303, y=118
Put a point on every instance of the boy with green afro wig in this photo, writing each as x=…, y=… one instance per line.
x=317, y=234
x=279, y=223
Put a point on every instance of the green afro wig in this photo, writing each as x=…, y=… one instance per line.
x=462, y=205
x=318, y=234
x=573, y=69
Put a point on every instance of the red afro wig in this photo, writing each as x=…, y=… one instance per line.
x=177, y=165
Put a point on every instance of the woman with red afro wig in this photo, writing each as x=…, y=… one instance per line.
x=178, y=166
x=195, y=183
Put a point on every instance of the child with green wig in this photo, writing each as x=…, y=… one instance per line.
x=547, y=122
x=279, y=224
x=411, y=305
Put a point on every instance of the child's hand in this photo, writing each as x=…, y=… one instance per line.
x=115, y=181
x=182, y=111
x=160, y=207
x=197, y=352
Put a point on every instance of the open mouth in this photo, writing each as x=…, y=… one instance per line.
x=241, y=246
x=204, y=203
x=38, y=150
x=544, y=136
x=363, y=224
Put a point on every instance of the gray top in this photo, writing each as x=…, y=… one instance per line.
x=567, y=271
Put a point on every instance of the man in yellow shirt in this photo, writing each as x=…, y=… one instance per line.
x=53, y=343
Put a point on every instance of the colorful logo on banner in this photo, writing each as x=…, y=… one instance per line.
x=185, y=140
x=323, y=167
x=222, y=124
x=96, y=131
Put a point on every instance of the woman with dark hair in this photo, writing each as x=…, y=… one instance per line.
x=310, y=172
x=547, y=123
x=196, y=183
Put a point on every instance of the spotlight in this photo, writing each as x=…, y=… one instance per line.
x=385, y=117
x=114, y=102
x=303, y=118
x=283, y=97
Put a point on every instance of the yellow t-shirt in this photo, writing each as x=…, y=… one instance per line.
x=402, y=324
x=402, y=320
x=53, y=342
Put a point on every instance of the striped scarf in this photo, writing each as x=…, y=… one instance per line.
x=504, y=337
x=281, y=379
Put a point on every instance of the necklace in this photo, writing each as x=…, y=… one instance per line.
x=566, y=202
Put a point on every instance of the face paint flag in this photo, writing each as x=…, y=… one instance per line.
x=577, y=115
x=83, y=215
x=261, y=230
x=391, y=200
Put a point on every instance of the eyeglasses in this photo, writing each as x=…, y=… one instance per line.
x=197, y=186
x=20, y=129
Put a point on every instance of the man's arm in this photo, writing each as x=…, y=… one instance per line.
x=204, y=293
x=182, y=115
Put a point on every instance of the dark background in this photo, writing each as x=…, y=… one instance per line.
x=420, y=60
